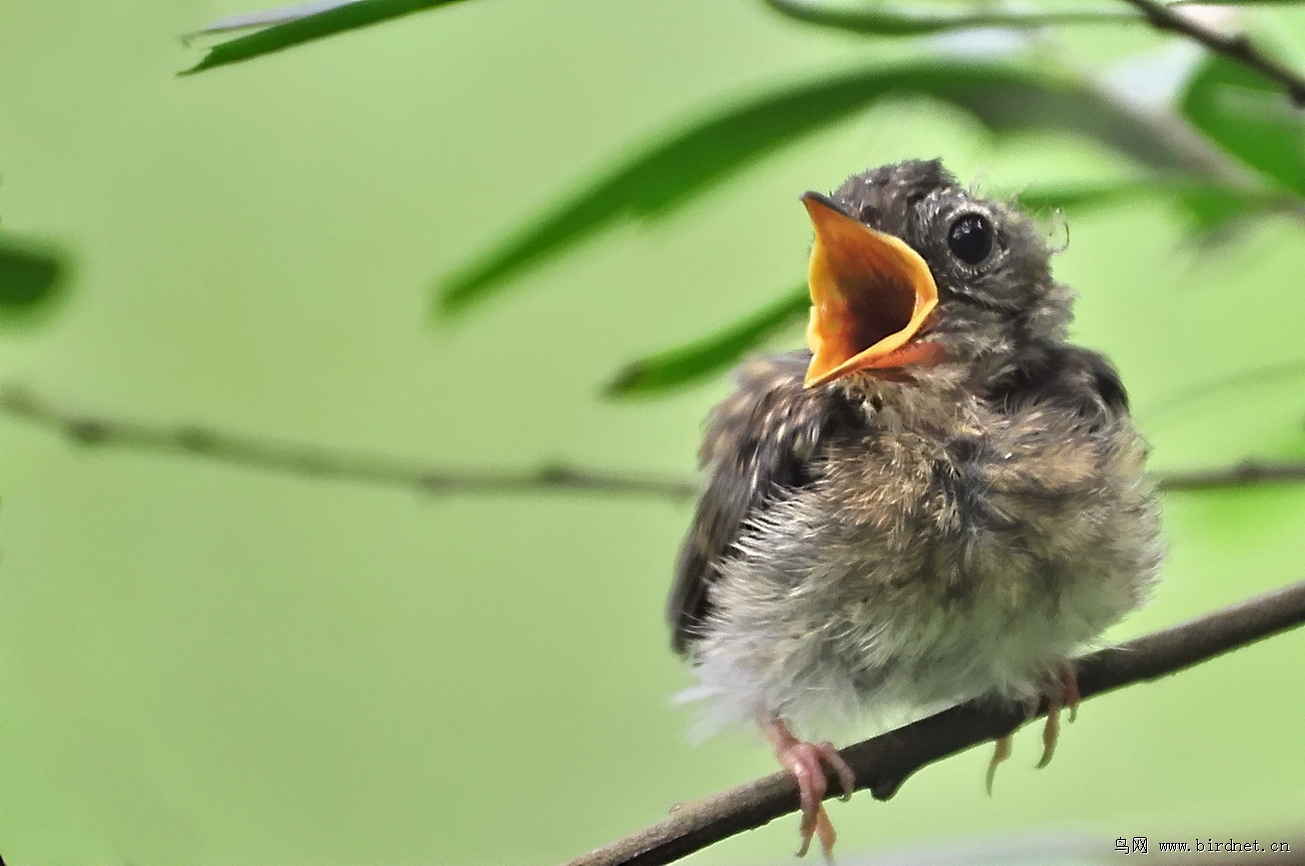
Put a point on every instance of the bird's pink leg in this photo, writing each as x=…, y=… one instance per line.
x=803, y=760
x=1066, y=696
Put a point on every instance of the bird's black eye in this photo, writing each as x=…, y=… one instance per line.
x=970, y=238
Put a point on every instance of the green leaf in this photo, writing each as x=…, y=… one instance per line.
x=1050, y=198
x=308, y=28
x=29, y=278
x=1248, y=116
x=266, y=17
x=684, y=364
x=884, y=19
x=1205, y=206
x=1212, y=209
x=1002, y=96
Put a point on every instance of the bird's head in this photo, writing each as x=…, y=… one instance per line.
x=910, y=271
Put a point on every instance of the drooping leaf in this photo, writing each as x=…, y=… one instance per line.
x=1210, y=210
x=1047, y=198
x=1251, y=118
x=266, y=17
x=1002, y=96
x=1205, y=206
x=29, y=278
x=297, y=30
x=887, y=19
x=684, y=364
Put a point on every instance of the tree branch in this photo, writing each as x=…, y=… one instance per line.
x=890, y=20
x=319, y=461
x=887, y=19
x=884, y=762
x=1237, y=47
x=1245, y=473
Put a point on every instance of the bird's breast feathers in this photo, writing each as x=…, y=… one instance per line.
x=920, y=567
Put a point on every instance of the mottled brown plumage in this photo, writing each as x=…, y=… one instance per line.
x=951, y=522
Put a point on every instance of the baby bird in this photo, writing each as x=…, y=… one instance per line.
x=941, y=501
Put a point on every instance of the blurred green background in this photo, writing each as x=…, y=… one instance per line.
x=201, y=663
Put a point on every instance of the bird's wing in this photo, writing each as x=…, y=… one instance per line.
x=760, y=442
x=1076, y=379
x=1105, y=381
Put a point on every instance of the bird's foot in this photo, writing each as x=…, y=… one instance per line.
x=803, y=760
x=1063, y=695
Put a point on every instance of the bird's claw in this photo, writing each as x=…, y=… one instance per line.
x=1000, y=752
x=804, y=761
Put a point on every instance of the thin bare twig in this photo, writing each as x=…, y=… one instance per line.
x=319, y=461
x=887, y=19
x=1236, y=47
x=1245, y=473
x=883, y=763
x=891, y=20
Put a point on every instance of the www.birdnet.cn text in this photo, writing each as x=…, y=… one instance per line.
x=1142, y=845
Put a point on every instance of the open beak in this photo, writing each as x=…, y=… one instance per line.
x=870, y=294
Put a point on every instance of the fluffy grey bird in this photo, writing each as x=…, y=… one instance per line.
x=943, y=500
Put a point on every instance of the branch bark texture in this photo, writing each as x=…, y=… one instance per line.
x=884, y=762
x=1236, y=47
x=312, y=460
